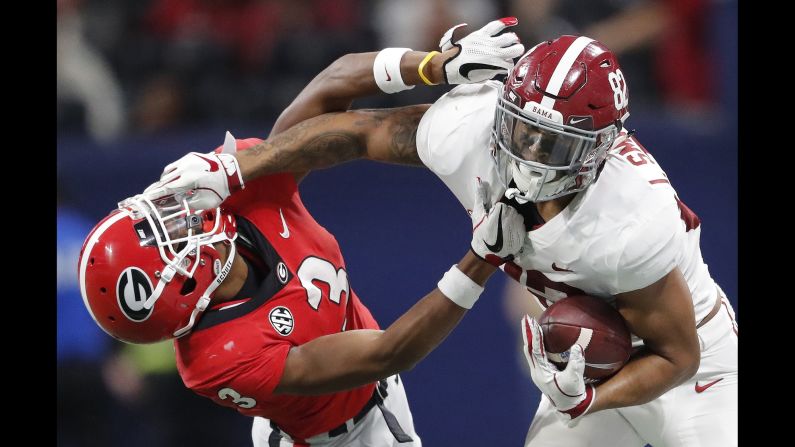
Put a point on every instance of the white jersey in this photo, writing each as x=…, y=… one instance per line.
x=624, y=232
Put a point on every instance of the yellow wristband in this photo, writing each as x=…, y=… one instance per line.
x=428, y=57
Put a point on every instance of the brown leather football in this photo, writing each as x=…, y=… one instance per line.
x=595, y=325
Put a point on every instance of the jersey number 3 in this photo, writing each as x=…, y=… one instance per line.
x=237, y=399
x=318, y=276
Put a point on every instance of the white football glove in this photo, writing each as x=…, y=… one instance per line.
x=206, y=180
x=498, y=231
x=565, y=389
x=482, y=54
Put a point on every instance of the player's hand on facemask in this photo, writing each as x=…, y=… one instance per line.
x=498, y=231
x=565, y=389
x=205, y=180
x=482, y=54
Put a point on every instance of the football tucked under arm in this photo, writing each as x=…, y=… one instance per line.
x=566, y=389
x=594, y=325
x=662, y=315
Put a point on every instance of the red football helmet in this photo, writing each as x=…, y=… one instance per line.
x=148, y=270
x=560, y=111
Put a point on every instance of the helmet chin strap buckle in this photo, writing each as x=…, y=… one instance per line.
x=165, y=278
x=201, y=306
x=203, y=303
x=168, y=273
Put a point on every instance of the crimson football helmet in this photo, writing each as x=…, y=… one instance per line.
x=561, y=109
x=148, y=270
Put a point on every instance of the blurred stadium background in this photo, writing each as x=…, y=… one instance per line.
x=141, y=82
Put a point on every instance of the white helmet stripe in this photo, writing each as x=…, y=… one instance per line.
x=563, y=68
x=87, y=255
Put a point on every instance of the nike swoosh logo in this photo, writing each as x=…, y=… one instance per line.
x=388, y=78
x=558, y=269
x=464, y=69
x=701, y=389
x=573, y=121
x=212, y=163
x=286, y=233
x=498, y=243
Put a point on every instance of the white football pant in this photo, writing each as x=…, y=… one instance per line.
x=682, y=417
x=372, y=431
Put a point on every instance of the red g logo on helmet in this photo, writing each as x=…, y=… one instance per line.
x=146, y=271
x=132, y=291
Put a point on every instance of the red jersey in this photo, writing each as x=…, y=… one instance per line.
x=236, y=353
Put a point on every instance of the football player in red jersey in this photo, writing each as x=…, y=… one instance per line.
x=602, y=219
x=256, y=292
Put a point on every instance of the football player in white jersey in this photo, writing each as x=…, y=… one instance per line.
x=602, y=219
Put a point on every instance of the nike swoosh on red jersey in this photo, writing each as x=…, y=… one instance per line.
x=558, y=269
x=701, y=389
x=212, y=163
x=286, y=233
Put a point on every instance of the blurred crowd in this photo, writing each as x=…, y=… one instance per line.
x=132, y=66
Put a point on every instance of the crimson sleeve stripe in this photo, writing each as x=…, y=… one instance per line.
x=659, y=180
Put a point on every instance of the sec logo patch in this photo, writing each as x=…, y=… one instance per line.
x=281, y=319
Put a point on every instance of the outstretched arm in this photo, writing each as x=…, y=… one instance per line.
x=349, y=359
x=332, y=138
x=387, y=135
x=353, y=75
x=662, y=315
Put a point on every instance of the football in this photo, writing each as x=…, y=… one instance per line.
x=595, y=325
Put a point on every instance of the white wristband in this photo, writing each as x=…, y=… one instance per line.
x=386, y=70
x=459, y=288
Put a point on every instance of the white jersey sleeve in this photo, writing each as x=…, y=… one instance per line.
x=647, y=251
x=643, y=235
x=453, y=139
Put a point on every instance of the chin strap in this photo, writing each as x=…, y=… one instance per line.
x=165, y=278
x=516, y=194
x=205, y=299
